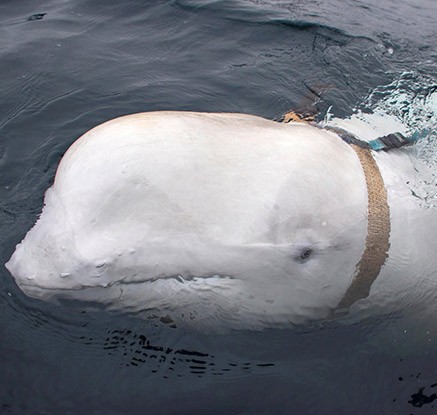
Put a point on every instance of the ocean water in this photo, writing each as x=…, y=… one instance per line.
x=67, y=66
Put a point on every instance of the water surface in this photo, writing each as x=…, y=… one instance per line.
x=69, y=65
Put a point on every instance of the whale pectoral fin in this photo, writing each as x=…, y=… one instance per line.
x=307, y=108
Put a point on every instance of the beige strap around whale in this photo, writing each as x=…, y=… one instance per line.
x=378, y=231
x=378, y=226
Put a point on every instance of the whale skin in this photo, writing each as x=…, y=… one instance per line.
x=222, y=220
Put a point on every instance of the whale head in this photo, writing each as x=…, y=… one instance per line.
x=256, y=225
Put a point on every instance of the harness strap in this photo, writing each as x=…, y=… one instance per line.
x=385, y=143
x=378, y=217
x=378, y=232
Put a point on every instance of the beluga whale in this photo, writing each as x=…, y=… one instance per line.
x=228, y=220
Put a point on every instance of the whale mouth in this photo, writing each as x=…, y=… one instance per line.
x=181, y=278
x=185, y=278
x=28, y=289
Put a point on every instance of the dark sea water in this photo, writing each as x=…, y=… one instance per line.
x=67, y=66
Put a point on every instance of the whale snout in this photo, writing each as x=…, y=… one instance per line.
x=46, y=258
x=33, y=270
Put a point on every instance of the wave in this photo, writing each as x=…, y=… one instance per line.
x=411, y=99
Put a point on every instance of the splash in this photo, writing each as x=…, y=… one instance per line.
x=407, y=105
x=412, y=99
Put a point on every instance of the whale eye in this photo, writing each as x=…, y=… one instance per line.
x=305, y=254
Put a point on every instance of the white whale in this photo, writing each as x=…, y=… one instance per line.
x=224, y=220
